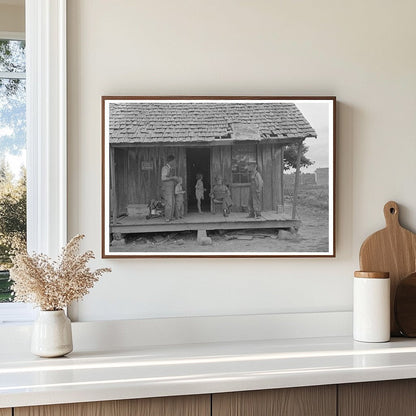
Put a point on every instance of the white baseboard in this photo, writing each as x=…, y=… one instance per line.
x=127, y=334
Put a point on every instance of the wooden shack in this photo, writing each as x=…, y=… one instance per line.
x=211, y=138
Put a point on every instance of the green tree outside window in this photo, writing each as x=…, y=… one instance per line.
x=12, y=147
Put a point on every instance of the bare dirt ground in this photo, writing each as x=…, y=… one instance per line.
x=311, y=237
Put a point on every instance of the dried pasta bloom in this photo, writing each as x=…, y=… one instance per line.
x=53, y=285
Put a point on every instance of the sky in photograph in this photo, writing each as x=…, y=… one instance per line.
x=317, y=113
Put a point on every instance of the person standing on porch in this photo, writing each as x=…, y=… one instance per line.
x=199, y=191
x=179, y=199
x=256, y=189
x=168, y=187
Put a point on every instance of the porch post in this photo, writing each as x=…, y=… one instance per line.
x=297, y=177
x=113, y=195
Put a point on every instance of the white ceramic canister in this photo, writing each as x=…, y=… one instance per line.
x=371, y=322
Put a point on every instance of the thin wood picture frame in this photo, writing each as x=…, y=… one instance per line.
x=218, y=176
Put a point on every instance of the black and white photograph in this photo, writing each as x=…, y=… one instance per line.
x=218, y=176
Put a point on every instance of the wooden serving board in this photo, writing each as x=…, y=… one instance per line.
x=393, y=250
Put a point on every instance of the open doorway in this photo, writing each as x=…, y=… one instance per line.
x=198, y=161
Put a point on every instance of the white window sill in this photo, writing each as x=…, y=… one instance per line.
x=16, y=313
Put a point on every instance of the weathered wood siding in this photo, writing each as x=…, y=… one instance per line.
x=221, y=163
x=135, y=185
x=270, y=166
x=240, y=194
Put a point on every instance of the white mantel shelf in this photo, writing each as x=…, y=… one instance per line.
x=151, y=371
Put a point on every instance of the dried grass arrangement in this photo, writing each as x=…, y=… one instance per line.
x=53, y=285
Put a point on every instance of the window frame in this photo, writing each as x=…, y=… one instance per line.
x=46, y=138
x=46, y=125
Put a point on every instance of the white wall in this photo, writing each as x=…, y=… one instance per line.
x=361, y=51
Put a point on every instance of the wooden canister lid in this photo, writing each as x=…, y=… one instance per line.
x=372, y=275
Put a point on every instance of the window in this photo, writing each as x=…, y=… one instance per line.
x=46, y=133
x=242, y=155
x=12, y=155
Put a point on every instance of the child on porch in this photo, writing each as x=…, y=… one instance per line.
x=179, y=199
x=221, y=194
x=199, y=191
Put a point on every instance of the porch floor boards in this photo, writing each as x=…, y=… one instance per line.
x=205, y=221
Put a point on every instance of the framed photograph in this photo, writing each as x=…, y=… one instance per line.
x=218, y=176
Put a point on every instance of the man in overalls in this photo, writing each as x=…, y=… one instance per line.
x=256, y=189
x=168, y=187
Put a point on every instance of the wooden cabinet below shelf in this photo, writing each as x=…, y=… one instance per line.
x=161, y=406
x=380, y=398
x=299, y=401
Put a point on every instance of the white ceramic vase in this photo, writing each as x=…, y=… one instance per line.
x=52, y=334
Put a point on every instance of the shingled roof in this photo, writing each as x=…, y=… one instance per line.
x=183, y=122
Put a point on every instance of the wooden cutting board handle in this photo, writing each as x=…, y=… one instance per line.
x=391, y=214
x=393, y=250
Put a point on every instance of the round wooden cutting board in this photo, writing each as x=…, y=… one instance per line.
x=393, y=250
x=405, y=306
